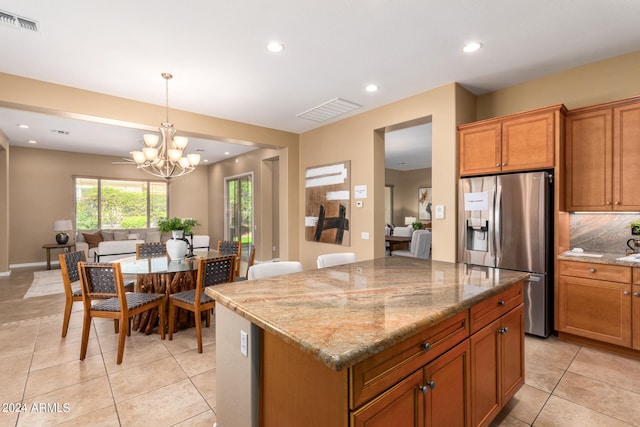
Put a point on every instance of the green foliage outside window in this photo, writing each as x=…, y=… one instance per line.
x=122, y=204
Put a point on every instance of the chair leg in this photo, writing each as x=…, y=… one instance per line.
x=86, y=328
x=116, y=326
x=172, y=319
x=208, y=317
x=67, y=315
x=198, y=316
x=122, y=338
x=162, y=322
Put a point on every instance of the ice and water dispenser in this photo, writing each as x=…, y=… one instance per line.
x=477, y=234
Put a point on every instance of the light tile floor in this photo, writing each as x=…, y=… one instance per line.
x=167, y=383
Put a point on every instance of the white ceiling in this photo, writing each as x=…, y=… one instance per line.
x=333, y=48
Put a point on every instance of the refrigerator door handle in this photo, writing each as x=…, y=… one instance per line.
x=498, y=223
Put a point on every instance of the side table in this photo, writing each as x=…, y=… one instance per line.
x=49, y=246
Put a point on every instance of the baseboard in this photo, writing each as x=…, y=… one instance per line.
x=33, y=264
x=5, y=273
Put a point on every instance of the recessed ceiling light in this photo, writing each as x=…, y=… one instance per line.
x=372, y=88
x=23, y=126
x=32, y=141
x=226, y=153
x=206, y=160
x=275, y=47
x=471, y=47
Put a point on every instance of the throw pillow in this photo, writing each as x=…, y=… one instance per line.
x=93, y=239
x=120, y=235
x=106, y=235
x=152, y=236
x=132, y=236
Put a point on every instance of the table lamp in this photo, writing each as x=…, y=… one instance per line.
x=62, y=226
x=408, y=220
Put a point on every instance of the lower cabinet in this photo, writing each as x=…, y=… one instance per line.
x=594, y=301
x=497, y=365
x=436, y=395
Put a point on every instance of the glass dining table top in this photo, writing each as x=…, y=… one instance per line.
x=161, y=265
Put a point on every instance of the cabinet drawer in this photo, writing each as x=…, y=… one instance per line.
x=372, y=376
x=589, y=270
x=489, y=310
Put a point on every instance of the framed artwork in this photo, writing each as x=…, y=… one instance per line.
x=424, y=203
x=327, y=203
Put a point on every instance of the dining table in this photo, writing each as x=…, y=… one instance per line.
x=163, y=275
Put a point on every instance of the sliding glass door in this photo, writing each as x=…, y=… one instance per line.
x=238, y=219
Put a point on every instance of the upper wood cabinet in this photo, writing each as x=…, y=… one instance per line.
x=602, y=155
x=518, y=142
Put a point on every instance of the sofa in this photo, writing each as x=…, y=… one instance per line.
x=109, y=245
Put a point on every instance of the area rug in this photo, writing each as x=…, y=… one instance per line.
x=45, y=283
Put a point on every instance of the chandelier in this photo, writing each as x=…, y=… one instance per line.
x=166, y=161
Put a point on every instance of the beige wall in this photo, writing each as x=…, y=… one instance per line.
x=602, y=81
x=360, y=140
x=405, y=191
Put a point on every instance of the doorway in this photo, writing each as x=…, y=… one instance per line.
x=238, y=219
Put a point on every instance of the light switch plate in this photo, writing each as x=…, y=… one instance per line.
x=244, y=338
x=439, y=211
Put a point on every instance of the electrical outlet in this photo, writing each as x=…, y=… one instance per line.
x=244, y=343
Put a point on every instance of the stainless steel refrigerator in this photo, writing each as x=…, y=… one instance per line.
x=505, y=221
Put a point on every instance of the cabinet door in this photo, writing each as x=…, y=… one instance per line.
x=485, y=386
x=595, y=309
x=528, y=142
x=480, y=149
x=626, y=158
x=589, y=162
x=447, y=388
x=512, y=353
x=402, y=406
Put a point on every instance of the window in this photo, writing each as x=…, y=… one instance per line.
x=239, y=208
x=109, y=203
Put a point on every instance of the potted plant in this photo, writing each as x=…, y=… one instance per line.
x=177, y=246
x=635, y=227
x=177, y=226
x=417, y=225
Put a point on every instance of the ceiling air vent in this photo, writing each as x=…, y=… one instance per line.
x=329, y=110
x=19, y=22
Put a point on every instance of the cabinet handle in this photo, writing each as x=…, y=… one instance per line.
x=497, y=165
x=504, y=164
x=617, y=203
x=608, y=202
x=431, y=384
x=636, y=294
x=426, y=346
x=503, y=330
x=501, y=303
x=593, y=270
x=626, y=292
x=423, y=388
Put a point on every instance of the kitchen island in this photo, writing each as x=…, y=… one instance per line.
x=394, y=338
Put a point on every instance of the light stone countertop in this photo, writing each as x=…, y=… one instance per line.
x=611, y=259
x=343, y=315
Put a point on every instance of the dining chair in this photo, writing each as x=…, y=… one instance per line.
x=151, y=250
x=245, y=264
x=339, y=258
x=211, y=271
x=104, y=296
x=70, y=275
x=420, y=246
x=230, y=247
x=269, y=269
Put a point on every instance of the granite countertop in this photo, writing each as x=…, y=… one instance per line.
x=602, y=258
x=343, y=315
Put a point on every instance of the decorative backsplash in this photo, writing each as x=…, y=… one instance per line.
x=601, y=232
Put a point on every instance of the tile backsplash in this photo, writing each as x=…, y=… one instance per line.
x=601, y=232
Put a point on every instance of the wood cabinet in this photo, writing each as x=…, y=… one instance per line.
x=519, y=142
x=497, y=365
x=635, y=304
x=426, y=380
x=594, y=301
x=602, y=157
x=436, y=395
